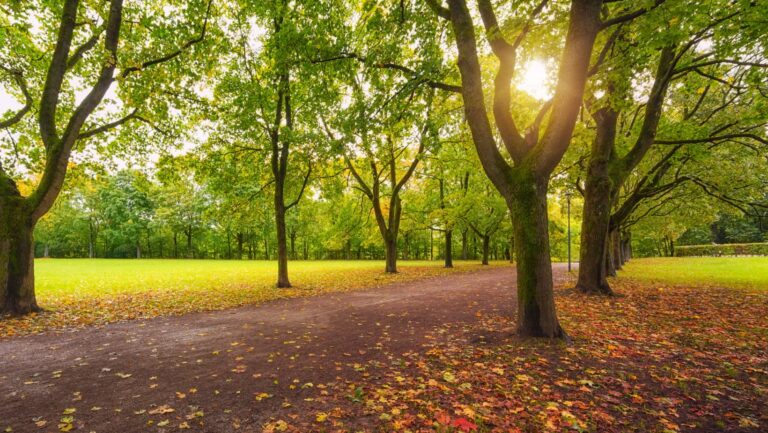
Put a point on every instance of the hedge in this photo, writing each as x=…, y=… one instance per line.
x=757, y=249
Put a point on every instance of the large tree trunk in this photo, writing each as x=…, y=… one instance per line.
x=17, y=266
x=282, y=239
x=598, y=191
x=486, y=248
x=390, y=254
x=449, y=248
x=535, y=297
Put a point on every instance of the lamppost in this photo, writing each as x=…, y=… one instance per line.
x=568, y=201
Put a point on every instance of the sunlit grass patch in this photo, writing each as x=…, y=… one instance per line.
x=734, y=272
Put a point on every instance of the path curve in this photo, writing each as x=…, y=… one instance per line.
x=217, y=364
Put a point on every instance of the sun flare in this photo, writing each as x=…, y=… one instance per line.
x=534, y=80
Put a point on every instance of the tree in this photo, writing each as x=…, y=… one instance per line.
x=524, y=183
x=62, y=123
x=620, y=112
x=273, y=93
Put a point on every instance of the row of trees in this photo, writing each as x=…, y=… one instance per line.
x=657, y=108
x=128, y=215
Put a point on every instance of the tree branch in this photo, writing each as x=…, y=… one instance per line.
x=19, y=79
x=108, y=126
x=174, y=54
x=630, y=16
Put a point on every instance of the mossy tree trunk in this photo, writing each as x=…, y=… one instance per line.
x=534, y=153
x=17, y=272
x=536, y=304
x=599, y=191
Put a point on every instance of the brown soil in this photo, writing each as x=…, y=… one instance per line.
x=229, y=370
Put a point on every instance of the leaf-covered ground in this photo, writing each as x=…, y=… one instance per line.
x=435, y=355
x=656, y=359
x=81, y=292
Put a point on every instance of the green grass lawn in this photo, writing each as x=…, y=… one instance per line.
x=736, y=272
x=107, y=277
x=77, y=292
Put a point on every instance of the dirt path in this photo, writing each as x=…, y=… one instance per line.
x=229, y=370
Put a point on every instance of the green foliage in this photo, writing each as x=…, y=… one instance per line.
x=717, y=250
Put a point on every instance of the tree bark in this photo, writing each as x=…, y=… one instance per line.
x=282, y=247
x=616, y=249
x=391, y=255
x=535, y=297
x=17, y=272
x=449, y=248
x=486, y=248
x=598, y=196
x=464, y=245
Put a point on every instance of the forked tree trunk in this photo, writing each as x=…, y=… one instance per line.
x=17, y=269
x=535, y=298
x=449, y=248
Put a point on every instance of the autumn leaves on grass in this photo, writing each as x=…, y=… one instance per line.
x=654, y=360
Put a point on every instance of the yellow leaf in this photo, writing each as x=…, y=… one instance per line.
x=449, y=377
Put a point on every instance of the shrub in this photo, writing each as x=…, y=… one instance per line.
x=756, y=249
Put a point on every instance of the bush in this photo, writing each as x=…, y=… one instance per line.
x=757, y=249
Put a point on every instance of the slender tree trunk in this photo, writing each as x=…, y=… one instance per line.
x=486, y=248
x=449, y=248
x=190, y=251
x=90, y=240
x=616, y=249
x=535, y=297
x=138, y=249
x=464, y=245
x=239, y=246
x=229, y=244
x=175, y=245
x=598, y=191
x=282, y=240
x=610, y=266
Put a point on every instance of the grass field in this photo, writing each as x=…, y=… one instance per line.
x=57, y=278
x=735, y=272
x=76, y=292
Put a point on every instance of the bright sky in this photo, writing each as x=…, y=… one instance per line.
x=533, y=80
